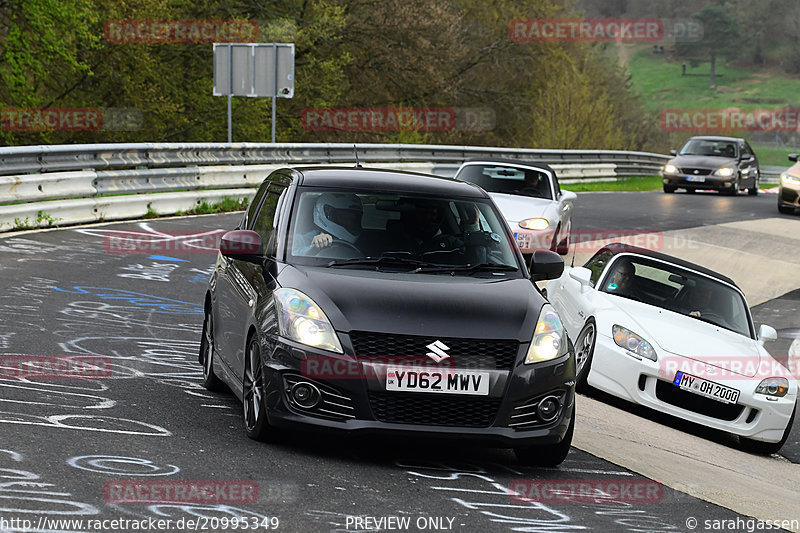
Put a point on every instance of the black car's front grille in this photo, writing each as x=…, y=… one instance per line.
x=671, y=394
x=696, y=171
x=464, y=353
x=434, y=410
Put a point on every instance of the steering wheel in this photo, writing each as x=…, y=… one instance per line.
x=340, y=245
x=530, y=191
x=714, y=317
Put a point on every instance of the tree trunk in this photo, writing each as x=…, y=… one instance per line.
x=713, y=70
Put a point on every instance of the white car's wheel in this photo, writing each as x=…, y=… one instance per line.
x=584, y=349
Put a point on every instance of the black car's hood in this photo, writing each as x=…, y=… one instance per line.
x=702, y=161
x=420, y=304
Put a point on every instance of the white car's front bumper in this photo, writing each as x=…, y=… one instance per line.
x=649, y=383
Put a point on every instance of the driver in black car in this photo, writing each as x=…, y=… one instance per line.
x=421, y=230
x=336, y=216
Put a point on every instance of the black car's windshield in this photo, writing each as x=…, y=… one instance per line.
x=710, y=148
x=352, y=229
x=679, y=290
x=508, y=180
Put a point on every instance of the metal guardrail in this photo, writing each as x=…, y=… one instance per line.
x=72, y=184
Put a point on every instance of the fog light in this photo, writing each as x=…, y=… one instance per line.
x=305, y=395
x=548, y=408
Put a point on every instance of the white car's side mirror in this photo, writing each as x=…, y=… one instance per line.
x=583, y=276
x=568, y=196
x=766, y=333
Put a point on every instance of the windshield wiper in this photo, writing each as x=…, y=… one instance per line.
x=471, y=269
x=382, y=261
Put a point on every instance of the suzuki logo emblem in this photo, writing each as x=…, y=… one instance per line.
x=697, y=172
x=437, y=351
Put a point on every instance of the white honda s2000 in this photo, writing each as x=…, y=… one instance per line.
x=674, y=336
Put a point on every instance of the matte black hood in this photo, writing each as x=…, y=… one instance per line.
x=439, y=305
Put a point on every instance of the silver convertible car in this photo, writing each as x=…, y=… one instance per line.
x=530, y=198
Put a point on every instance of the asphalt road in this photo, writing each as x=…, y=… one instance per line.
x=70, y=448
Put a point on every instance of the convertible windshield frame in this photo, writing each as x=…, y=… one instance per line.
x=672, y=287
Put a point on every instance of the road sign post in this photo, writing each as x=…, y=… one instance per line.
x=253, y=70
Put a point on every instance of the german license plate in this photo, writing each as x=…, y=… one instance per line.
x=698, y=179
x=448, y=381
x=523, y=240
x=706, y=388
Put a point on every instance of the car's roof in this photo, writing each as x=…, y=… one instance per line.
x=715, y=138
x=510, y=162
x=619, y=248
x=386, y=179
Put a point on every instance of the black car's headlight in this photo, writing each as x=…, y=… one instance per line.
x=302, y=320
x=549, y=338
x=670, y=169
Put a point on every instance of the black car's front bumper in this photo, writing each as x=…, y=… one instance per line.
x=357, y=402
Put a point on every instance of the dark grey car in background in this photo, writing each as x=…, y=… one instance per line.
x=724, y=164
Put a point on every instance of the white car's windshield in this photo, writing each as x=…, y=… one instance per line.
x=352, y=228
x=508, y=180
x=679, y=290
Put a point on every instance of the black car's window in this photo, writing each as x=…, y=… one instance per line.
x=250, y=214
x=710, y=147
x=597, y=263
x=746, y=151
x=332, y=225
x=508, y=180
x=264, y=220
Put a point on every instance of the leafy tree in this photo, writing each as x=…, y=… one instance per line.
x=720, y=37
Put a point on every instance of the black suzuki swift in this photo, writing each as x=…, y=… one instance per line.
x=367, y=300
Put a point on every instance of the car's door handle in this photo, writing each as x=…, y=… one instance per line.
x=581, y=313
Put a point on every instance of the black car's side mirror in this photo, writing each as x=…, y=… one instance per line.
x=545, y=265
x=242, y=244
x=747, y=158
x=793, y=157
x=673, y=152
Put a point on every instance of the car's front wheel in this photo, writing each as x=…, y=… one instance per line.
x=256, y=424
x=753, y=191
x=785, y=209
x=766, y=448
x=669, y=189
x=584, y=349
x=210, y=379
x=548, y=454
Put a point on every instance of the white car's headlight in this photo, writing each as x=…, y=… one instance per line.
x=549, y=339
x=788, y=178
x=534, y=223
x=670, y=169
x=629, y=340
x=777, y=387
x=725, y=172
x=301, y=320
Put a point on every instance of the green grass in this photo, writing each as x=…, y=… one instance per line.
x=226, y=205
x=648, y=183
x=659, y=82
x=772, y=156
